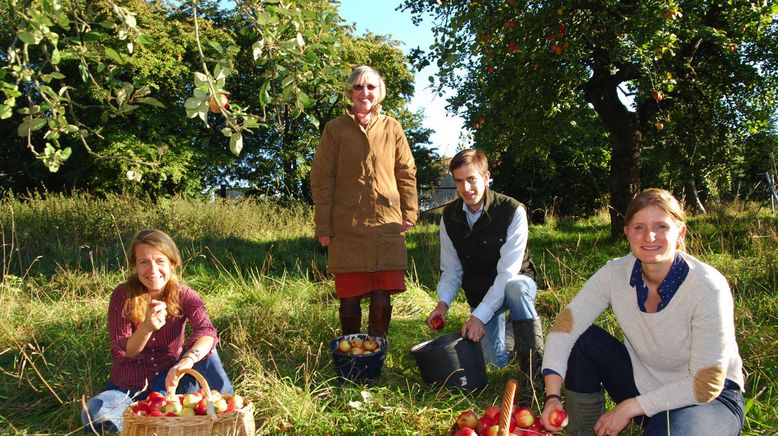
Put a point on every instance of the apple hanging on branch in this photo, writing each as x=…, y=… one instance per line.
x=218, y=102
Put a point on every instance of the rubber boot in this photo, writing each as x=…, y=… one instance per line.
x=528, y=346
x=350, y=320
x=583, y=411
x=378, y=319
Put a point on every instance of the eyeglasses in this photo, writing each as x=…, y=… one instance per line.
x=361, y=87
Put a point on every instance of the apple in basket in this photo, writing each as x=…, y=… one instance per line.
x=370, y=344
x=236, y=401
x=191, y=400
x=467, y=419
x=201, y=408
x=524, y=417
x=356, y=342
x=141, y=408
x=344, y=346
x=174, y=407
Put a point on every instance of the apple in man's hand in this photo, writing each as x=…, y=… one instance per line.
x=558, y=418
x=437, y=323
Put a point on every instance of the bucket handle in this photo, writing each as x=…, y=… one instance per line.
x=507, y=407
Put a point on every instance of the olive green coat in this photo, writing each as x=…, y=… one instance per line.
x=364, y=186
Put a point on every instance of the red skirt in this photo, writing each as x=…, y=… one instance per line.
x=355, y=284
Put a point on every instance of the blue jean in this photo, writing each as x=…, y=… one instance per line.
x=107, y=407
x=520, y=303
x=598, y=360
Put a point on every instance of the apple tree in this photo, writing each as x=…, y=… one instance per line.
x=687, y=79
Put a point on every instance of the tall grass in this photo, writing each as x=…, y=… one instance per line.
x=263, y=279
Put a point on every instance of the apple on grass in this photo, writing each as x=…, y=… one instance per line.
x=467, y=419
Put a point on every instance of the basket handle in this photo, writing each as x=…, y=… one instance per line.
x=203, y=384
x=507, y=407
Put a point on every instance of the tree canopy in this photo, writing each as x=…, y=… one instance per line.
x=147, y=96
x=667, y=91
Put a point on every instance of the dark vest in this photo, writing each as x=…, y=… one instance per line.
x=479, y=249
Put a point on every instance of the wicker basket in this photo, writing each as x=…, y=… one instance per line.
x=506, y=408
x=235, y=423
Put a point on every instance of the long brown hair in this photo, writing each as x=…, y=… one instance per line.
x=138, y=297
x=662, y=199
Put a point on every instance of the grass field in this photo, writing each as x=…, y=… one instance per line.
x=265, y=285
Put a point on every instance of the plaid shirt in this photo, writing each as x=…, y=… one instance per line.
x=164, y=346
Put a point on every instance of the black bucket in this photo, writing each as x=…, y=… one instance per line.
x=361, y=367
x=451, y=360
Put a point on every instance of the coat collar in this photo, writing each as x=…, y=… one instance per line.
x=457, y=214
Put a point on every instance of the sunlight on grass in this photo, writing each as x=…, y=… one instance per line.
x=264, y=281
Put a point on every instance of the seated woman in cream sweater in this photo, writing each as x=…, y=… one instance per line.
x=678, y=370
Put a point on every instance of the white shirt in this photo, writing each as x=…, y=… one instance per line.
x=508, y=267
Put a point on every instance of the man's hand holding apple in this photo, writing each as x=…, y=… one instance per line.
x=439, y=312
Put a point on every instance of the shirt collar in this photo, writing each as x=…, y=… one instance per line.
x=667, y=289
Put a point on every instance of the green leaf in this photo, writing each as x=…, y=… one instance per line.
x=65, y=153
x=305, y=99
x=216, y=46
x=5, y=112
x=37, y=124
x=91, y=36
x=27, y=37
x=192, y=103
x=151, y=101
x=56, y=57
x=113, y=55
x=264, y=95
x=200, y=79
x=313, y=120
x=236, y=143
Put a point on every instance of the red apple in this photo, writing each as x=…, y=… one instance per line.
x=492, y=412
x=344, y=346
x=216, y=105
x=465, y=431
x=467, y=419
x=237, y=400
x=660, y=126
x=524, y=417
x=155, y=394
x=509, y=24
x=356, y=342
x=156, y=412
x=492, y=431
x=657, y=96
x=437, y=323
x=141, y=409
x=513, y=46
x=484, y=423
x=201, y=408
x=156, y=403
x=357, y=351
x=490, y=69
x=558, y=418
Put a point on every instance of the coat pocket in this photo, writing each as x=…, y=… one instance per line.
x=388, y=208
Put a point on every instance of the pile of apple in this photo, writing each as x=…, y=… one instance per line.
x=357, y=346
x=186, y=404
x=523, y=422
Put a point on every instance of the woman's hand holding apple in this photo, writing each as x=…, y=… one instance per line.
x=156, y=315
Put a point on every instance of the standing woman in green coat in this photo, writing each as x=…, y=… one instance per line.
x=363, y=181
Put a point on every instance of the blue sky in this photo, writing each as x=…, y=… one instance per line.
x=381, y=18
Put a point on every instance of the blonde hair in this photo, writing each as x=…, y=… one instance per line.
x=357, y=77
x=137, y=295
x=662, y=199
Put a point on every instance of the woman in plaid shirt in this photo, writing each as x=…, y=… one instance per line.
x=147, y=315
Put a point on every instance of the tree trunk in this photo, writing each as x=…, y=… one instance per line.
x=692, y=197
x=627, y=142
